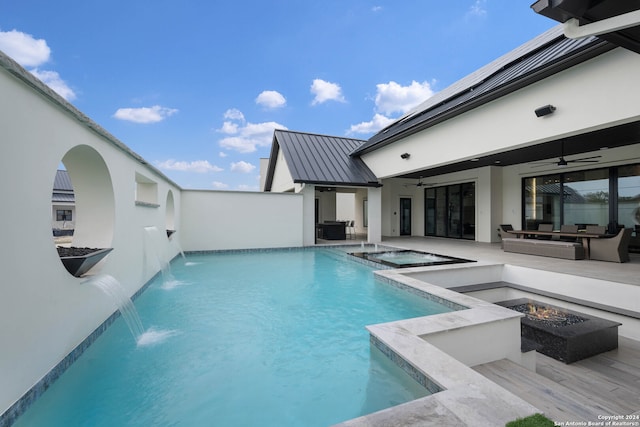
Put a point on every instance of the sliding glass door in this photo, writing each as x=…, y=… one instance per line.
x=450, y=211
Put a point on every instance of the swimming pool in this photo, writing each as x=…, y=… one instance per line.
x=242, y=339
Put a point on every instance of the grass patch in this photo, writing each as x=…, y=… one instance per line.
x=537, y=420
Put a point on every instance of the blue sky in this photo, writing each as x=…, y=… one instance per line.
x=196, y=87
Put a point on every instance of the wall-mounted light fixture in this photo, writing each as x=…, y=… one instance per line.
x=405, y=156
x=545, y=111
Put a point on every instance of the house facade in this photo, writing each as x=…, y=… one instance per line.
x=548, y=133
x=63, y=204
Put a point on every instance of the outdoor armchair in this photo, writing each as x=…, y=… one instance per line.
x=615, y=249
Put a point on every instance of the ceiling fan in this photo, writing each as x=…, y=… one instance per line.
x=419, y=184
x=564, y=162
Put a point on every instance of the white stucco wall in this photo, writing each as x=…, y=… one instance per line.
x=213, y=220
x=282, y=180
x=44, y=311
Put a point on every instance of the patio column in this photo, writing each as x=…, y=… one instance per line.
x=308, y=212
x=374, y=202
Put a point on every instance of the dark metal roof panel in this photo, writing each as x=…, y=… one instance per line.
x=62, y=181
x=547, y=49
x=322, y=159
x=63, y=197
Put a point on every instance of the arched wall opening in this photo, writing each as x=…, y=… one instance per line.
x=94, y=197
x=170, y=214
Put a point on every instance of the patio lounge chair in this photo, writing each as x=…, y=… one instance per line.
x=614, y=249
x=503, y=232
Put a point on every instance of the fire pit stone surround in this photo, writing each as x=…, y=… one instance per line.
x=564, y=334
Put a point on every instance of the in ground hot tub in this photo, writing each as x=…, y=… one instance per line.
x=407, y=258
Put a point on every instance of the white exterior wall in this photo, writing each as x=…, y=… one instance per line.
x=44, y=311
x=282, y=180
x=213, y=220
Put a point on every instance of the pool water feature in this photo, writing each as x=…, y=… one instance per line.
x=408, y=258
x=257, y=339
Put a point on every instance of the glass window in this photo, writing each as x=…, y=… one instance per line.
x=453, y=214
x=469, y=210
x=586, y=197
x=63, y=215
x=441, y=211
x=430, y=211
x=629, y=196
x=542, y=201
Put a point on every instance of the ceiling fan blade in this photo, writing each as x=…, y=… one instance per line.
x=587, y=159
x=540, y=164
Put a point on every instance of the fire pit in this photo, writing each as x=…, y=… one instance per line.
x=563, y=334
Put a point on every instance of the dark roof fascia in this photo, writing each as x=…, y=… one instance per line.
x=339, y=184
x=598, y=47
x=271, y=167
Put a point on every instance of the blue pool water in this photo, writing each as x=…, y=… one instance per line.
x=254, y=339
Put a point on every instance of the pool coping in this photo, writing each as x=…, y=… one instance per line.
x=461, y=395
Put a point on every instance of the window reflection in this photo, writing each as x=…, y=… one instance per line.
x=586, y=197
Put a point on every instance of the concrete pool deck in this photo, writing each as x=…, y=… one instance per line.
x=471, y=400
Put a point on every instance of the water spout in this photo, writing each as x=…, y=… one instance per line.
x=116, y=292
x=154, y=244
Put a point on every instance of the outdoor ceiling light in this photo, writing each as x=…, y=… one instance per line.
x=545, y=111
x=405, y=155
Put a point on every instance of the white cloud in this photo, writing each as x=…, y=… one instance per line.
x=271, y=99
x=376, y=8
x=229, y=128
x=197, y=166
x=478, y=9
x=31, y=52
x=242, y=167
x=222, y=154
x=245, y=187
x=219, y=185
x=378, y=122
x=246, y=136
x=234, y=114
x=53, y=80
x=153, y=114
x=392, y=97
x=24, y=48
x=326, y=91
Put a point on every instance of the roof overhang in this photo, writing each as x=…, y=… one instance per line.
x=613, y=137
x=615, y=21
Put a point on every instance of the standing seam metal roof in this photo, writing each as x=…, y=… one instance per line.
x=534, y=56
x=322, y=159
